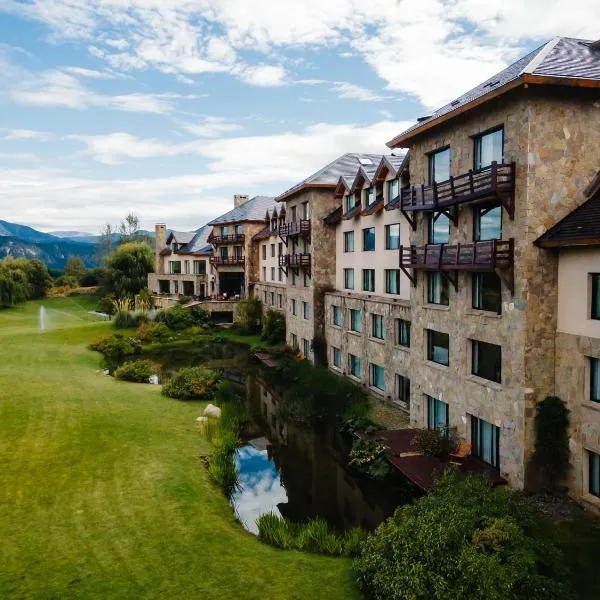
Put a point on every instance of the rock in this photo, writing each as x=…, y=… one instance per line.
x=106, y=372
x=212, y=411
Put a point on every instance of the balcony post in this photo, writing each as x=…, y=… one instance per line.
x=494, y=175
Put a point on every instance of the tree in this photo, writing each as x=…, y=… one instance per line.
x=14, y=285
x=75, y=268
x=127, y=269
x=129, y=227
x=39, y=278
x=105, y=242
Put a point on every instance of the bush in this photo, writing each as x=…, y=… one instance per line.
x=66, y=281
x=189, y=383
x=106, y=304
x=184, y=300
x=201, y=317
x=273, y=327
x=138, y=371
x=176, y=318
x=435, y=442
x=249, y=315
x=464, y=541
x=153, y=332
x=370, y=458
x=127, y=319
x=114, y=348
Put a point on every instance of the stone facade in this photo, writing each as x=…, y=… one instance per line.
x=270, y=286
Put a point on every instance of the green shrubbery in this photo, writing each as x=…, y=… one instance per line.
x=22, y=279
x=370, y=458
x=114, y=348
x=435, y=442
x=463, y=541
x=138, y=371
x=176, y=318
x=249, y=316
x=313, y=536
x=190, y=383
x=153, y=332
x=273, y=327
x=129, y=319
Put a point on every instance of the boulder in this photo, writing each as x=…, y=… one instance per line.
x=212, y=411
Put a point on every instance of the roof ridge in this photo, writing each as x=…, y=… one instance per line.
x=543, y=51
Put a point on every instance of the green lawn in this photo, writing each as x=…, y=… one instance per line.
x=102, y=493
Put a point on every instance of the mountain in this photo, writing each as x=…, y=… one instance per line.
x=27, y=234
x=54, y=252
x=90, y=238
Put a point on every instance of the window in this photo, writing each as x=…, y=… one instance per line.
x=487, y=222
x=272, y=250
x=280, y=300
x=489, y=147
x=355, y=324
x=187, y=266
x=595, y=379
x=306, y=310
x=237, y=251
x=348, y=241
x=487, y=292
x=306, y=280
x=354, y=365
x=393, y=189
x=280, y=274
x=336, y=315
x=306, y=246
x=272, y=273
x=199, y=267
x=348, y=203
x=224, y=251
x=337, y=358
x=369, y=239
x=272, y=298
x=437, y=414
x=280, y=248
x=295, y=274
x=174, y=267
x=264, y=252
x=438, y=347
x=439, y=228
x=349, y=279
x=224, y=230
x=377, y=377
x=294, y=214
x=294, y=341
x=264, y=273
x=403, y=332
x=392, y=281
x=239, y=229
x=368, y=280
x=392, y=236
x=402, y=390
x=595, y=296
x=437, y=288
x=485, y=441
x=265, y=297
x=305, y=210
x=294, y=306
x=305, y=348
x=594, y=477
x=176, y=287
x=369, y=196
x=439, y=166
x=377, y=326
x=487, y=361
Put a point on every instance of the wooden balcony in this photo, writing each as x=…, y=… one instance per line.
x=295, y=261
x=295, y=229
x=227, y=260
x=494, y=183
x=235, y=238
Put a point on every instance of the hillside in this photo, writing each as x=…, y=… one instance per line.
x=54, y=251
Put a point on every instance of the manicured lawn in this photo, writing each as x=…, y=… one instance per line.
x=102, y=493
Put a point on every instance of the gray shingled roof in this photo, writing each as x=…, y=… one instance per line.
x=182, y=237
x=345, y=166
x=194, y=242
x=561, y=57
x=252, y=210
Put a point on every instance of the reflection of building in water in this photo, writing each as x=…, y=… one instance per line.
x=310, y=462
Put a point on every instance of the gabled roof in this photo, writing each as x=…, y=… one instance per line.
x=181, y=237
x=391, y=163
x=343, y=186
x=581, y=227
x=252, y=210
x=194, y=242
x=561, y=61
x=328, y=177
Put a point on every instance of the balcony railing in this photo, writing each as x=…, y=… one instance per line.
x=226, y=260
x=233, y=238
x=296, y=228
x=294, y=260
x=497, y=181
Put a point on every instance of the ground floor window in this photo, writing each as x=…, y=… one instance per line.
x=378, y=377
x=354, y=365
x=305, y=348
x=485, y=441
x=337, y=358
x=294, y=341
x=594, y=461
x=402, y=390
x=437, y=414
x=164, y=286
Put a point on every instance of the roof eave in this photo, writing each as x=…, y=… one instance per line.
x=293, y=192
x=550, y=244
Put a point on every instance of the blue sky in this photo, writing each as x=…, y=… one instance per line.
x=169, y=107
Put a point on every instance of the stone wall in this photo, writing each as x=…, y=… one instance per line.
x=276, y=293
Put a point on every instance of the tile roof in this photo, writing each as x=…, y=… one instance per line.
x=265, y=233
x=567, y=58
x=252, y=210
x=181, y=237
x=194, y=242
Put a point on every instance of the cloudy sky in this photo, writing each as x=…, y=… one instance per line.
x=169, y=107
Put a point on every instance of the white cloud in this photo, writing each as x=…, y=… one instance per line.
x=93, y=74
x=20, y=156
x=26, y=134
x=262, y=75
x=211, y=127
x=351, y=91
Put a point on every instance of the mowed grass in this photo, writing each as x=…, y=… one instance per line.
x=102, y=493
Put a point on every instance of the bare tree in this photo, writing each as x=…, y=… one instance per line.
x=129, y=227
x=105, y=242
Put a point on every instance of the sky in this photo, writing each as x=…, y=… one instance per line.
x=169, y=107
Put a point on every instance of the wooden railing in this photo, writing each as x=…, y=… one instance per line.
x=226, y=260
x=498, y=181
x=295, y=228
x=476, y=256
x=294, y=260
x=233, y=238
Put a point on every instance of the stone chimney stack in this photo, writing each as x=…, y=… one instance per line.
x=160, y=230
x=239, y=199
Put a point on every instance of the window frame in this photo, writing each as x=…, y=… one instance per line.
x=477, y=294
x=335, y=355
x=593, y=473
x=594, y=365
x=402, y=389
x=349, y=237
x=477, y=147
x=375, y=368
x=354, y=360
x=595, y=307
x=388, y=273
x=430, y=347
x=365, y=234
x=444, y=289
x=433, y=217
x=433, y=420
x=431, y=164
x=336, y=311
x=388, y=238
x=478, y=212
x=353, y=313
x=476, y=346
x=348, y=271
x=368, y=280
x=476, y=441
x=377, y=326
x=400, y=337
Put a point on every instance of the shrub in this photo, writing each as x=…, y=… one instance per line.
x=370, y=458
x=106, y=304
x=464, y=541
x=184, y=300
x=66, y=281
x=249, y=315
x=143, y=300
x=273, y=327
x=176, y=318
x=435, y=442
x=153, y=332
x=189, y=383
x=201, y=316
x=127, y=319
x=138, y=371
x=114, y=348
x=319, y=347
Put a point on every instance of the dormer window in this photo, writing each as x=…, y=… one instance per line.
x=393, y=189
x=369, y=196
x=348, y=202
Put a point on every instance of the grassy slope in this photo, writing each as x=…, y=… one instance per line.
x=102, y=494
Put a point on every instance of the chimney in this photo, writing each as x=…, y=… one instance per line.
x=239, y=199
x=160, y=230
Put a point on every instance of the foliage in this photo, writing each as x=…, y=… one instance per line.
x=370, y=458
x=319, y=347
x=106, y=304
x=359, y=424
x=128, y=319
x=75, y=269
x=66, y=281
x=153, y=332
x=273, y=327
x=314, y=536
x=22, y=279
x=463, y=541
x=183, y=300
x=551, y=453
x=37, y=275
x=437, y=442
x=191, y=382
x=138, y=371
x=144, y=300
x=128, y=267
x=249, y=315
x=114, y=348
x=176, y=318
x=93, y=277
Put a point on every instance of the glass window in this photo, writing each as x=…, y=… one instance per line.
x=264, y=252
x=337, y=358
x=264, y=273
x=487, y=361
x=368, y=280
x=294, y=306
x=272, y=273
x=305, y=348
x=354, y=365
x=200, y=267
x=349, y=279
x=272, y=250
x=187, y=266
x=595, y=296
x=355, y=323
x=369, y=239
x=224, y=251
x=348, y=241
x=306, y=279
x=439, y=166
x=294, y=214
x=280, y=275
x=393, y=189
x=305, y=211
x=239, y=229
x=485, y=441
x=378, y=377
x=306, y=310
x=439, y=228
x=594, y=483
x=377, y=326
x=487, y=223
x=487, y=292
x=369, y=196
x=402, y=390
x=438, y=347
x=348, y=202
x=224, y=230
x=294, y=341
x=392, y=281
x=437, y=415
x=595, y=380
x=280, y=300
x=176, y=286
x=280, y=248
x=403, y=332
x=175, y=267
x=392, y=236
x=489, y=147
x=272, y=298
x=437, y=289
x=295, y=275
x=336, y=315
